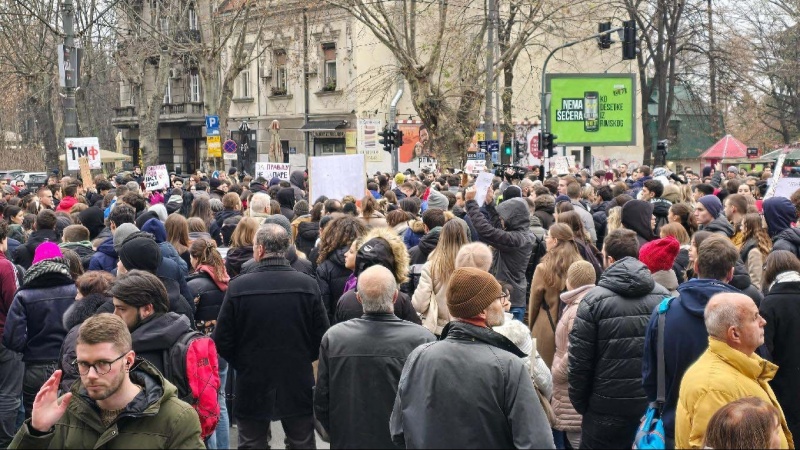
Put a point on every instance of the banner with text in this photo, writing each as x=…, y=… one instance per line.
x=156, y=177
x=269, y=170
x=367, y=140
x=592, y=109
x=88, y=147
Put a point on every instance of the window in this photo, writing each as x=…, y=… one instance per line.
x=280, y=73
x=244, y=84
x=329, y=53
x=194, y=88
x=168, y=92
x=192, y=19
x=131, y=95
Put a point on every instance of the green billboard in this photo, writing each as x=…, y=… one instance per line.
x=592, y=109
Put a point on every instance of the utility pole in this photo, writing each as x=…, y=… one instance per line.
x=305, y=85
x=70, y=112
x=487, y=113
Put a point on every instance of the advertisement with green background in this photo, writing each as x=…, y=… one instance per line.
x=592, y=109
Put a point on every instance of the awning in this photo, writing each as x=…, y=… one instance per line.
x=324, y=125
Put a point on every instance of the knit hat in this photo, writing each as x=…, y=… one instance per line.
x=437, y=200
x=301, y=208
x=660, y=254
x=562, y=198
x=232, y=171
x=274, y=181
x=512, y=192
x=214, y=183
x=399, y=179
x=122, y=232
x=733, y=169
x=280, y=219
x=581, y=273
x=712, y=204
x=47, y=250
x=140, y=251
x=470, y=291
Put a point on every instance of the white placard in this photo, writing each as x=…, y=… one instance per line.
x=228, y=156
x=777, y=173
x=269, y=170
x=786, y=187
x=475, y=166
x=426, y=162
x=561, y=165
x=482, y=184
x=79, y=147
x=156, y=177
x=368, y=139
x=337, y=176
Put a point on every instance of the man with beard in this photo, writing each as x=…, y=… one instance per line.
x=120, y=402
x=501, y=409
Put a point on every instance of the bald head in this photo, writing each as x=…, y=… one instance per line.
x=734, y=318
x=377, y=290
x=476, y=254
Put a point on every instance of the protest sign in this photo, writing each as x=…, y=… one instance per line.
x=156, y=177
x=76, y=148
x=561, y=165
x=785, y=187
x=482, y=184
x=268, y=170
x=86, y=172
x=337, y=176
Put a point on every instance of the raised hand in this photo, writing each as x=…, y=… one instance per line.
x=48, y=408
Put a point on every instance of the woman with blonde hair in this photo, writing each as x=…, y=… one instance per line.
x=614, y=219
x=241, y=249
x=549, y=280
x=677, y=231
x=178, y=235
x=429, y=297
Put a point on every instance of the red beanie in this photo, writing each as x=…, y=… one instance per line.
x=660, y=254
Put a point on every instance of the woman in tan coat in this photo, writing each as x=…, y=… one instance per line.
x=429, y=298
x=549, y=280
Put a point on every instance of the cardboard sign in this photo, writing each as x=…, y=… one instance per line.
x=475, y=166
x=156, y=177
x=268, y=170
x=86, y=172
x=561, y=165
x=82, y=147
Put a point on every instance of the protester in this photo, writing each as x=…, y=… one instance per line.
x=474, y=254
x=241, y=249
x=493, y=418
x=178, y=235
x=728, y=370
x=604, y=380
x=744, y=424
x=755, y=247
x=637, y=216
x=709, y=216
x=779, y=214
x=659, y=257
x=44, y=232
x=331, y=271
x=273, y=344
x=374, y=348
x=433, y=219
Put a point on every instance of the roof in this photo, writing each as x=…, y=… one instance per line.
x=726, y=148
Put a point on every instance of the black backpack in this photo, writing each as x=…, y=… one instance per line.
x=539, y=250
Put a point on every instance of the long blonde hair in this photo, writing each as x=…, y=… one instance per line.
x=443, y=258
x=558, y=259
x=614, y=218
x=245, y=233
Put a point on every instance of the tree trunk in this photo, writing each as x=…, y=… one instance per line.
x=150, y=111
x=43, y=111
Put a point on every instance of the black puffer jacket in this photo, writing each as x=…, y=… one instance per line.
x=73, y=318
x=307, y=235
x=420, y=252
x=512, y=246
x=332, y=276
x=788, y=239
x=236, y=258
x=600, y=217
x=607, y=341
x=210, y=297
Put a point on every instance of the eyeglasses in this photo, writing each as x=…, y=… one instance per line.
x=101, y=367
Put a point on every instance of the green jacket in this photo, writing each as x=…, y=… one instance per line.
x=156, y=418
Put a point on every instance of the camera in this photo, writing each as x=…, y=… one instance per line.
x=519, y=172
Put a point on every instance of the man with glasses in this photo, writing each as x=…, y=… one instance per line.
x=120, y=401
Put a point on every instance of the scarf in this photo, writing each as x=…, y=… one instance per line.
x=222, y=284
x=47, y=273
x=785, y=277
x=350, y=284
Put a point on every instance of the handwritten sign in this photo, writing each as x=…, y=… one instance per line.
x=785, y=187
x=76, y=148
x=482, y=184
x=156, y=177
x=269, y=170
x=561, y=165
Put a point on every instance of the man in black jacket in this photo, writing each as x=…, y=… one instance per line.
x=45, y=227
x=372, y=349
x=269, y=330
x=470, y=389
x=605, y=356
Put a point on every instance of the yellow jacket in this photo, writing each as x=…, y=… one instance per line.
x=720, y=376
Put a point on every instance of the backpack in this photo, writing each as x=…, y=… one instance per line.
x=193, y=367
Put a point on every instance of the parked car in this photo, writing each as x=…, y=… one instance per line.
x=33, y=180
x=10, y=174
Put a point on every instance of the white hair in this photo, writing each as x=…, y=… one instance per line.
x=721, y=314
x=259, y=202
x=377, y=295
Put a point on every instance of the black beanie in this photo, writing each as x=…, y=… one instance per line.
x=140, y=251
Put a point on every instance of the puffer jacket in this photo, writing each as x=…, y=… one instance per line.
x=567, y=419
x=105, y=258
x=307, y=235
x=719, y=225
x=607, y=341
x=425, y=295
x=77, y=313
x=156, y=418
x=209, y=299
x=34, y=324
x=788, y=239
x=512, y=245
x=420, y=252
x=544, y=207
x=600, y=217
x=236, y=258
x=156, y=228
x=331, y=277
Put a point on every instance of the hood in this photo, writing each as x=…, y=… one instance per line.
x=696, y=293
x=514, y=213
x=779, y=213
x=107, y=248
x=546, y=203
x=401, y=258
x=239, y=255
x=628, y=277
x=337, y=256
x=790, y=234
x=48, y=273
x=602, y=207
x=666, y=278
x=741, y=276
x=297, y=178
x=286, y=198
x=720, y=225
x=144, y=217
x=160, y=210
x=92, y=219
x=636, y=215
x=66, y=204
x=82, y=309
x=428, y=242
x=576, y=295
x=308, y=230
x=156, y=228
x=661, y=207
x=672, y=197
x=160, y=332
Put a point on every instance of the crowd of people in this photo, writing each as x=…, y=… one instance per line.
x=552, y=314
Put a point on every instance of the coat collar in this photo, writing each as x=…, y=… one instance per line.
x=381, y=317
x=462, y=331
x=753, y=367
x=267, y=263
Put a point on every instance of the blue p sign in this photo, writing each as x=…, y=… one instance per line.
x=212, y=122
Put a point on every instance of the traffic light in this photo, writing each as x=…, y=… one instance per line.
x=398, y=138
x=505, y=155
x=548, y=142
x=630, y=45
x=386, y=140
x=604, y=41
x=521, y=153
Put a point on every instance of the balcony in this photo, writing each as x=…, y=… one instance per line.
x=189, y=113
x=124, y=117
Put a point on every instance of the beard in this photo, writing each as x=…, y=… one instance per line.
x=495, y=317
x=113, y=386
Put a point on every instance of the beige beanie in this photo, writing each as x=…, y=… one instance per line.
x=580, y=273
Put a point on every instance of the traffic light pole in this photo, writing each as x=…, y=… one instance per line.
x=70, y=113
x=545, y=124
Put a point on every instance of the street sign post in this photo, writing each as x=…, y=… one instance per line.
x=212, y=137
x=229, y=149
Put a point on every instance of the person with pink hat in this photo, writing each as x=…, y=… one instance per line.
x=659, y=256
x=34, y=324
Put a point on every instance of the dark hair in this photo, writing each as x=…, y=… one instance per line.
x=621, y=199
x=739, y=202
x=94, y=282
x=433, y=217
x=46, y=220
x=621, y=243
x=341, y=233
x=742, y=424
x=138, y=288
x=619, y=188
x=103, y=185
x=135, y=200
x=350, y=208
x=777, y=262
x=410, y=205
x=605, y=193
x=332, y=205
x=705, y=189
x=684, y=211
x=716, y=256
x=3, y=230
x=71, y=190
x=645, y=170
x=11, y=212
x=396, y=217
x=655, y=187
x=201, y=208
x=451, y=199
x=73, y=262
x=122, y=214
x=575, y=223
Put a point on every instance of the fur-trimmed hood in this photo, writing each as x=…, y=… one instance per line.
x=401, y=258
x=417, y=226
